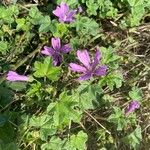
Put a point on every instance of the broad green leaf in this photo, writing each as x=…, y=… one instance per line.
x=40, y=121
x=134, y=138
x=87, y=94
x=86, y=26
x=6, y=96
x=77, y=142
x=17, y=86
x=8, y=146
x=55, y=143
x=65, y=110
x=112, y=79
x=7, y=133
x=46, y=69
x=47, y=130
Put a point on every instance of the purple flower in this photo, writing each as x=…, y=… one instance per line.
x=88, y=68
x=64, y=14
x=56, y=51
x=132, y=107
x=13, y=76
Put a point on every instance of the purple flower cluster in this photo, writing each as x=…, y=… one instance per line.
x=87, y=68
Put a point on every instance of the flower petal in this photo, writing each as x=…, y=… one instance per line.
x=12, y=73
x=64, y=7
x=84, y=57
x=48, y=51
x=96, y=59
x=70, y=16
x=13, y=76
x=132, y=107
x=97, y=55
x=86, y=76
x=56, y=43
x=61, y=10
x=77, y=68
x=66, y=48
x=57, y=59
x=101, y=71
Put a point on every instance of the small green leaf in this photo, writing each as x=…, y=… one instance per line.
x=135, y=94
x=39, y=121
x=3, y=47
x=55, y=143
x=46, y=69
x=118, y=118
x=134, y=138
x=77, y=142
x=17, y=86
x=60, y=30
x=45, y=24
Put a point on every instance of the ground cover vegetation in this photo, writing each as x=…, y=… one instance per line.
x=74, y=75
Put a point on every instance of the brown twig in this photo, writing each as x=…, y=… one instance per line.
x=97, y=122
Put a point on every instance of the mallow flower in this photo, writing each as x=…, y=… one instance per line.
x=13, y=76
x=88, y=68
x=132, y=107
x=56, y=51
x=64, y=13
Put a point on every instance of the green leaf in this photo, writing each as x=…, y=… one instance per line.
x=92, y=7
x=45, y=124
x=20, y=23
x=55, y=143
x=46, y=69
x=87, y=95
x=47, y=130
x=8, y=146
x=118, y=118
x=134, y=138
x=7, y=133
x=35, y=90
x=45, y=23
x=17, y=86
x=3, y=47
x=35, y=15
x=34, y=12
x=65, y=110
x=109, y=57
x=112, y=79
x=40, y=121
x=135, y=94
x=6, y=96
x=60, y=30
x=77, y=142
x=86, y=26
